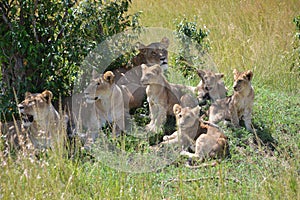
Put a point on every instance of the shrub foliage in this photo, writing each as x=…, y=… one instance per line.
x=43, y=42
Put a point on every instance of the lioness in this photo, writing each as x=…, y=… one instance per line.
x=111, y=101
x=130, y=76
x=42, y=120
x=211, y=86
x=161, y=95
x=239, y=105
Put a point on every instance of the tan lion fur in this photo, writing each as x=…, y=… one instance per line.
x=206, y=138
x=161, y=95
x=238, y=106
x=212, y=144
x=188, y=130
x=42, y=120
x=110, y=100
x=130, y=76
x=211, y=84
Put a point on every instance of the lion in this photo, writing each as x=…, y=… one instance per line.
x=188, y=130
x=239, y=105
x=193, y=133
x=161, y=95
x=44, y=124
x=211, y=86
x=130, y=75
x=111, y=101
x=211, y=144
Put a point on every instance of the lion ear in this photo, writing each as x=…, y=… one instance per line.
x=95, y=74
x=196, y=110
x=27, y=94
x=219, y=75
x=141, y=47
x=201, y=73
x=109, y=76
x=176, y=109
x=236, y=73
x=249, y=75
x=157, y=69
x=165, y=42
x=47, y=94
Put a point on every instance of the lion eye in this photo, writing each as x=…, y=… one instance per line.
x=98, y=83
x=239, y=81
x=153, y=53
x=179, y=115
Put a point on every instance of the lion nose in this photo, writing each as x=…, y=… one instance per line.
x=20, y=106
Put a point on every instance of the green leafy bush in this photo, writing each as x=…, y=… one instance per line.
x=194, y=45
x=43, y=43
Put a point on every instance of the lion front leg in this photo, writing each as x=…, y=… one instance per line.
x=153, y=112
x=161, y=117
x=234, y=117
x=170, y=139
x=247, y=119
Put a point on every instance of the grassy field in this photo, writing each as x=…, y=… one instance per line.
x=256, y=35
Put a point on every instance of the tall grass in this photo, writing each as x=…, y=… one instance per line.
x=255, y=34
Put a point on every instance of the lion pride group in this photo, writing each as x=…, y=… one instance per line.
x=109, y=97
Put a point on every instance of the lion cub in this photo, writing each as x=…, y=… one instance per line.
x=188, y=129
x=161, y=95
x=239, y=105
x=211, y=144
x=211, y=86
x=42, y=120
x=207, y=139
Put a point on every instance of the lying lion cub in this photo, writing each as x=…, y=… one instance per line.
x=211, y=86
x=239, y=105
x=111, y=101
x=42, y=120
x=212, y=144
x=188, y=129
x=161, y=95
x=207, y=139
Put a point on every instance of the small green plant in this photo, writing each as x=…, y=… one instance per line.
x=194, y=44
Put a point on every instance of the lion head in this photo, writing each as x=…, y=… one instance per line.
x=209, y=79
x=242, y=80
x=151, y=75
x=99, y=87
x=35, y=107
x=154, y=53
x=186, y=117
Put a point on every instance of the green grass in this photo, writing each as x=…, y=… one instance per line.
x=253, y=35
